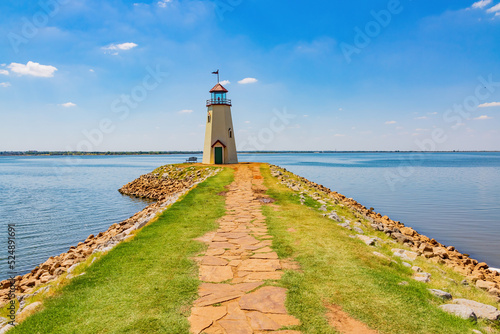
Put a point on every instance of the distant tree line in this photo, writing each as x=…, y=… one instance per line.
x=55, y=153
x=97, y=153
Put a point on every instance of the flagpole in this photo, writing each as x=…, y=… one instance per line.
x=217, y=72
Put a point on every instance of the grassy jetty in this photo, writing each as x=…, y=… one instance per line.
x=144, y=285
x=345, y=269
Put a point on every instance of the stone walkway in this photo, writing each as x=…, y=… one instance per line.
x=233, y=298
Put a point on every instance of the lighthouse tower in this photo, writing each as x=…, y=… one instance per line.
x=220, y=147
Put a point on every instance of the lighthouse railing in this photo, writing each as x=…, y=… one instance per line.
x=224, y=102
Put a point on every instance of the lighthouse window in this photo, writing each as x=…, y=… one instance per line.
x=208, y=118
x=230, y=133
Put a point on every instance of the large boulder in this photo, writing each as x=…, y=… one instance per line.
x=422, y=277
x=67, y=263
x=401, y=238
x=333, y=215
x=441, y=294
x=481, y=265
x=367, y=240
x=461, y=311
x=404, y=254
x=408, y=231
x=29, y=309
x=485, y=285
x=481, y=310
x=5, y=284
x=494, y=292
x=425, y=247
x=441, y=252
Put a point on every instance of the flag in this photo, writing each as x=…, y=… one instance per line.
x=216, y=72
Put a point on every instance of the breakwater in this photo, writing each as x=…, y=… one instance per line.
x=168, y=183
x=165, y=185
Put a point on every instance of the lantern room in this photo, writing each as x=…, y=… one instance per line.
x=218, y=96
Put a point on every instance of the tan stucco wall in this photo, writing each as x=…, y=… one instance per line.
x=218, y=129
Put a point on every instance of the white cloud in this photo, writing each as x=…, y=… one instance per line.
x=390, y=122
x=482, y=117
x=421, y=117
x=68, y=105
x=493, y=9
x=420, y=129
x=321, y=45
x=338, y=135
x=225, y=82
x=481, y=3
x=34, y=69
x=91, y=70
x=163, y=3
x=490, y=104
x=4, y=72
x=118, y=47
x=4, y=84
x=306, y=115
x=186, y=111
x=456, y=126
x=247, y=81
x=247, y=122
x=340, y=109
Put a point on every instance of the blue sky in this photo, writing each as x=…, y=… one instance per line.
x=104, y=75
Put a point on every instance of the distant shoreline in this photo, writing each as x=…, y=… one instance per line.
x=70, y=153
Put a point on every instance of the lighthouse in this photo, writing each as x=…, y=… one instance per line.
x=220, y=146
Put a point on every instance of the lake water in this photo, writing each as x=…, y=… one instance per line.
x=452, y=197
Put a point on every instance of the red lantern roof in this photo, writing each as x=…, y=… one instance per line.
x=218, y=88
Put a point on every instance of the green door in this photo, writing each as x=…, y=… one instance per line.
x=218, y=155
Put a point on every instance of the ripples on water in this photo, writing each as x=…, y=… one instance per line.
x=452, y=197
x=55, y=205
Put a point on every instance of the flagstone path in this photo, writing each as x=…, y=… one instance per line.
x=239, y=258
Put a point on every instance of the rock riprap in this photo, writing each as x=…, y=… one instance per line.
x=238, y=261
x=165, y=180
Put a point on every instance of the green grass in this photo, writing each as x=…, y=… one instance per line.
x=337, y=269
x=146, y=285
